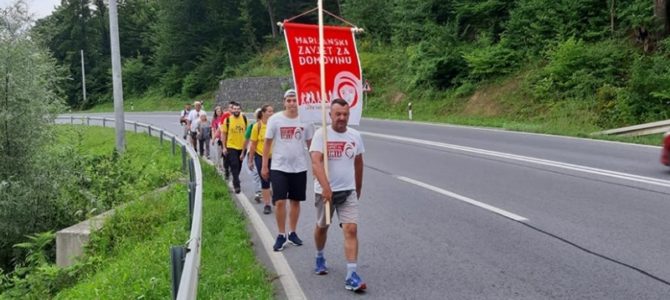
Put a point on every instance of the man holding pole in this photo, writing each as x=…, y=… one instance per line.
x=341, y=187
x=287, y=135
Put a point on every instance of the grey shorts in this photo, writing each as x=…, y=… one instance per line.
x=347, y=212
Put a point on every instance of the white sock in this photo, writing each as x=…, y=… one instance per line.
x=351, y=268
x=319, y=253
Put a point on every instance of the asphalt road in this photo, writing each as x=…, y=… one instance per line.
x=454, y=212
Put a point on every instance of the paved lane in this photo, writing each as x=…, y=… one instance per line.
x=585, y=235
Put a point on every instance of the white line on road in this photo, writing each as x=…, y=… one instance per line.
x=490, y=208
x=539, y=161
x=508, y=131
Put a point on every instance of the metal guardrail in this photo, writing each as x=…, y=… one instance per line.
x=642, y=129
x=185, y=261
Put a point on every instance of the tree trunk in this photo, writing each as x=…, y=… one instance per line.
x=661, y=13
x=612, y=16
x=268, y=3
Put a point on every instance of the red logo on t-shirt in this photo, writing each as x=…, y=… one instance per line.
x=288, y=133
x=336, y=149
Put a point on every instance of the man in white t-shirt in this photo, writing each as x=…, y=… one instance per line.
x=342, y=188
x=286, y=135
x=193, y=117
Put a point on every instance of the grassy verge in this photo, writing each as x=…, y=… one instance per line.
x=129, y=257
x=133, y=250
x=229, y=269
x=138, y=266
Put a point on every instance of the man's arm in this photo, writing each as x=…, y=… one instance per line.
x=265, y=167
x=224, y=141
x=319, y=173
x=252, y=153
x=358, y=174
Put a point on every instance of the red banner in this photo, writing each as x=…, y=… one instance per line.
x=343, y=69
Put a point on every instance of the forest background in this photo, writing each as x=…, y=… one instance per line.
x=587, y=63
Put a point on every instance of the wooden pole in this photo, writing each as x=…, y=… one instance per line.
x=323, y=103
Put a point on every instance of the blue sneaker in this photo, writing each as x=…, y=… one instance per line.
x=354, y=283
x=279, y=243
x=294, y=239
x=321, y=267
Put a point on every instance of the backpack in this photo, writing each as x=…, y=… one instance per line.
x=228, y=122
x=258, y=135
x=205, y=133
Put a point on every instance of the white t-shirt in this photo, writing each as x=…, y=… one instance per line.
x=342, y=151
x=194, y=116
x=288, y=142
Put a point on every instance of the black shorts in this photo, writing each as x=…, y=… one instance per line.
x=290, y=186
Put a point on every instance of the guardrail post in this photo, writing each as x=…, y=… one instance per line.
x=149, y=129
x=135, y=126
x=191, y=191
x=104, y=122
x=177, y=255
x=191, y=170
x=191, y=202
x=71, y=120
x=183, y=158
x=161, y=137
x=88, y=121
x=174, y=143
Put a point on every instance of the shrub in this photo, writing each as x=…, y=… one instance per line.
x=649, y=88
x=577, y=69
x=490, y=61
x=136, y=75
x=171, y=81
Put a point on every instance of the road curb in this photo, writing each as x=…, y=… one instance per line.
x=286, y=276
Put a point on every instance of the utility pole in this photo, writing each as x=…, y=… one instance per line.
x=83, y=76
x=116, y=77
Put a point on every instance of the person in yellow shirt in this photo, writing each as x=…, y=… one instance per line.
x=232, y=133
x=256, y=151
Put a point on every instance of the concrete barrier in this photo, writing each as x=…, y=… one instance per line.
x=70, y=241
x=252, y=92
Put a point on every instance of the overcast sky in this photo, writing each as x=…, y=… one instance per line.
x=40, y=8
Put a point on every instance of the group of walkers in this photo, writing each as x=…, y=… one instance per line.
x=277, y=150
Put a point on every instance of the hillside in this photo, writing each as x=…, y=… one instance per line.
x=567, y=66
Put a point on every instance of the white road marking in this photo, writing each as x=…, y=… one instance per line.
x=488, y=207
x=503, y=130
x=286, y=276
x=528, y=159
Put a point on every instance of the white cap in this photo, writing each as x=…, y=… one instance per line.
x=289, y=93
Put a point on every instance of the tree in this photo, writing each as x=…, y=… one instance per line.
x=661, y=9
x=28, y=103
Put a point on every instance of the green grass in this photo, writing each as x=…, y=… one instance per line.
x=229, y=269
x=129, y=257
x=152, y=163
x=137, y=265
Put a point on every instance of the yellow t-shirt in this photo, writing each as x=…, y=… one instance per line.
x=235, y=131
x=259, y=137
